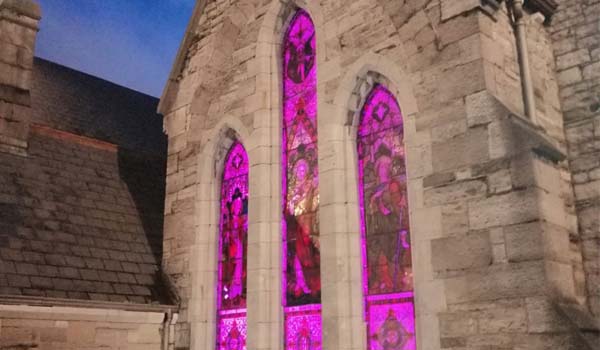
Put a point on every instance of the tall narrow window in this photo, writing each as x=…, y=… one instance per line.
x=233, y=243
x=387, y=275
x=302, y=272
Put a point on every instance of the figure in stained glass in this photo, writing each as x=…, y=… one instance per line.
x=231, y=292
x=302, y=271
x=385, y=224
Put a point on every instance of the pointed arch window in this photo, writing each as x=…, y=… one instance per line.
x=233, y=244
x=386, y=245
x=300, y=226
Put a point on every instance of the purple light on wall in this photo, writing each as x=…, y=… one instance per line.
x=233, y=244
x=300, y=227
x=385, y=230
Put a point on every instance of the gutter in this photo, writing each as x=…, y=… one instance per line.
x=515, y=8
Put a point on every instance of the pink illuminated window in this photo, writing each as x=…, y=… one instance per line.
x=301, y=258
x=233, y=243
x=387, y=272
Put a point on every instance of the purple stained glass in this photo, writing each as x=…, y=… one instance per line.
x=303, y=328
x=300, y=226
x=387, y=265
x=233, y=244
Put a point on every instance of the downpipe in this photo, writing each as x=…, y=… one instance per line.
x=515, y=9
x=166, y=330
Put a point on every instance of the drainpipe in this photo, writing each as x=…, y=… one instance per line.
x=515, y=7
x=166, y=333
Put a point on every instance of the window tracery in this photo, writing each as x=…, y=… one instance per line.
x=302, y=273
x=233, y=244
x=386, y=245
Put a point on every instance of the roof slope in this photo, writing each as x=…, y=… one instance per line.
x=82, y=216
x=76, y=102
x=80, y=220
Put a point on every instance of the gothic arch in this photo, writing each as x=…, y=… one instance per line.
x=342, y=268
x=264, y=263
x=203, y=264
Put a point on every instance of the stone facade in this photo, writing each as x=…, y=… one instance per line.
x=18, y=28
x=498, y=260
x=576, y=37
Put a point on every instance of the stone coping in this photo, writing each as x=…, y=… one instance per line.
x=27, y=8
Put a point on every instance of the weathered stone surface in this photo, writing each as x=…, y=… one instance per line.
x=463, y=252
x=506, y=209
x=575, y=32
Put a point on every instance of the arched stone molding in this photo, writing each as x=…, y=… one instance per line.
x=344, y=325
x=203, y=264
x=265, y=314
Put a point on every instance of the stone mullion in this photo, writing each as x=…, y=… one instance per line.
x=341, y=265
x=265, y=318
x=204, y=257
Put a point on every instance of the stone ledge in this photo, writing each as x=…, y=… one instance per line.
x=8, y=300
x=536, y=138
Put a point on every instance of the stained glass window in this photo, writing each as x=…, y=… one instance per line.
x=387, y=275
x=302, y=272
x=233, y=243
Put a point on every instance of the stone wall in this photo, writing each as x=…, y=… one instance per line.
x=576, y=36
x=18, y=28
x=75, y=328
x=491, y=216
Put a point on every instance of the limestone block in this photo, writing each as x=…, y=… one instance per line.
x=455, y=218
x=482, y=108
x=447, y=131
x=571, y=59
x=466, y=149
x=454, y=192
x=570, y=76
x=497, y=282
x=503, y=320
x=457, y=325
x=506, y=209
x=588, y=190
x=452, y=8
x=426, y=223
x=463, y=252
x=542, y=316
x=145, y=334
x=81, y=333
x=524, y=242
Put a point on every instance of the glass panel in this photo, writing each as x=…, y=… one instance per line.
x=233, y=244
x=388, y=280
x=302, y=272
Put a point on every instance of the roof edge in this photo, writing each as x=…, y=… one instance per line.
x=90, y=304
x=182, y=52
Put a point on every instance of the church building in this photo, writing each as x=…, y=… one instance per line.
x=354, y=175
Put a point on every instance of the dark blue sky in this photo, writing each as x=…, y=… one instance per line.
x=130, y=42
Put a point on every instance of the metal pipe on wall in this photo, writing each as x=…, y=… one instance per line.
x=515, y=8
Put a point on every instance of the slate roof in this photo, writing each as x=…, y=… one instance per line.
x=85, y=105
x=81, y=218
